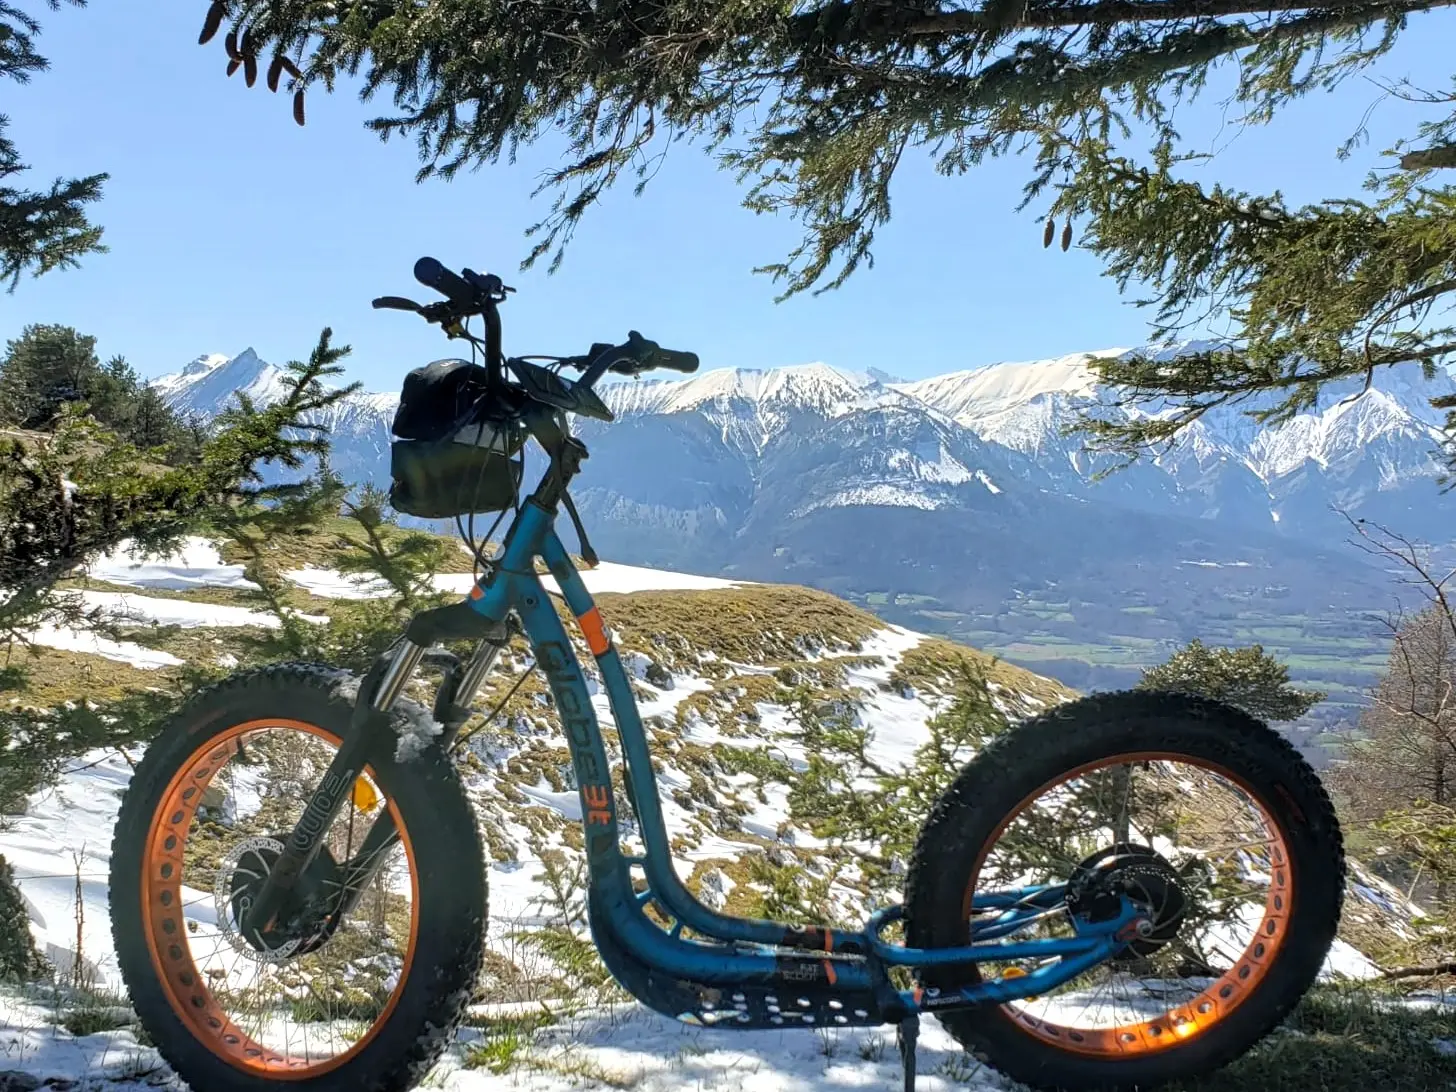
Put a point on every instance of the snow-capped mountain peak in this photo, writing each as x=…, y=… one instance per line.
x=1006, y=422
x=206, y=386
x=972, y=395
x=814, y=386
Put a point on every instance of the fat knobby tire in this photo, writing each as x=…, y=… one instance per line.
x=451, y=899
x=1038, y=752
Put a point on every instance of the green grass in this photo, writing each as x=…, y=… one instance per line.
x=1344, y=1041
x=504, y=1040
x=90, y=1012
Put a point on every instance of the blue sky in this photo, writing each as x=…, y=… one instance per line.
x=230, y=226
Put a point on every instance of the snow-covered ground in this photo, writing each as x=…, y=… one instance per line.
x=197, y=564
x=60, y=851
x=606, y=577
x=127, y=652
x=619, y=1047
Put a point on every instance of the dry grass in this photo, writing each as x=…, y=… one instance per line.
x=763, y=625
x=55, y=676
x=935, y=665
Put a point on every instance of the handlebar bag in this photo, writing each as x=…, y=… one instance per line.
x=453, y=444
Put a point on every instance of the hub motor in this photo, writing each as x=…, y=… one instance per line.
x=1147, y=878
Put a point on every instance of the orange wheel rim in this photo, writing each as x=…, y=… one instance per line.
x=1213, y=1004
x=186, y=989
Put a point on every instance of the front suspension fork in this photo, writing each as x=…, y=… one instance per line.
x=380, y=688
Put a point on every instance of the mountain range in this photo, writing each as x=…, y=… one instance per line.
x=960, y=505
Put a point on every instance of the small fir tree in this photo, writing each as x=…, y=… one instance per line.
x=1246, y=678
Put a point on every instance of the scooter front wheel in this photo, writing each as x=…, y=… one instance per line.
x=340, y=994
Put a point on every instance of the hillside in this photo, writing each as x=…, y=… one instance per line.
x=716, y=664
x=956, y=505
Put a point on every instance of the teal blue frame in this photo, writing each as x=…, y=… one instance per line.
x=695, y=963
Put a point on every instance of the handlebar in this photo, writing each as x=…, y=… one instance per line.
x=635, y=356
x=430, y=273
x=477, y=294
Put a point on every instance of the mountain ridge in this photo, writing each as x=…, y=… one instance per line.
x=959, y=505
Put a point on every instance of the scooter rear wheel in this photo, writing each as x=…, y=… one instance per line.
x=1191, y=808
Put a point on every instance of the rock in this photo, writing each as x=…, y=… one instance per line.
x=12, y=1080
x=214, y=796
x=658, y=675
x=60, y=1084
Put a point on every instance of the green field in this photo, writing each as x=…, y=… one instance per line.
x=1092, y=646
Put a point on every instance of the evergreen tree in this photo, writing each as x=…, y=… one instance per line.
x=868, y=810
x=40, y=230
x=19, y=960
x=1246, y=678
x=369, y=544
x=61, y=504
x=845, y=90
x=50, y=368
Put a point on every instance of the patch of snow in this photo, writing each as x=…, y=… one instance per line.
x=332, y=584
x=122, y=607
x=417, y=728
x=1347, y=962
x=127, y=652
x=60, y=827
x=606, y=577
x=196, y=564
x=612, y=577
x=107, y=1061
x=882, y=494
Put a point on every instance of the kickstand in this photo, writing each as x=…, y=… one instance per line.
x=906, y=1035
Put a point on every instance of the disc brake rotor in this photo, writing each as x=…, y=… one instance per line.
x=1146, y=878
x=241, y=875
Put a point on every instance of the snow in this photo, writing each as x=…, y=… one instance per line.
x=143, y=609
x=32, y=1043
x=196, y=564
x=1345, y=961
x=332, y=584
x=127, y=652
x=62, y=826
x=883, y=494
x=606, y=577
x=612, y=577
x=971, y=395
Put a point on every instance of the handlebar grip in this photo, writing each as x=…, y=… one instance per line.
x=676, y=361
x=395, y=303
x=430, y=273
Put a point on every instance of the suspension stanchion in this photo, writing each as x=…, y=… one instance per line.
x=402, y=665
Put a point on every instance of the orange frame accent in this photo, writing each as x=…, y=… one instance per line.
x=595, y=632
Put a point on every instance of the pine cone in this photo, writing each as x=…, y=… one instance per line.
x=234, y=65
x=298, y=106
x=1067, y=235
x=274, y=71
x=250, y=68
x=211, y=23
x=230, y=43
x=1046, y=236
x=291, y=69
